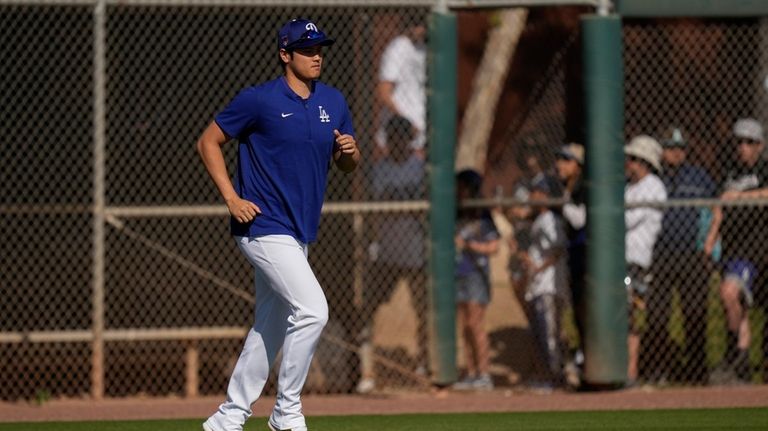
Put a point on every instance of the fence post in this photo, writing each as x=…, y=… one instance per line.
x=99, y=199
x=442, y=213
x=605, y=341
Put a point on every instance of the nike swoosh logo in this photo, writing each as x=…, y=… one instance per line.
x=286, y=115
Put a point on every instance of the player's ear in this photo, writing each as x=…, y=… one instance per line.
x=285, y=56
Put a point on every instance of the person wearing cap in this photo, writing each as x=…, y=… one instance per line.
x=678, y=263
x=476, y=240
x=401, y=86
x=743, y=231
x=643, y=225
x=569, y=163
x=289, y=130
x=546, y=277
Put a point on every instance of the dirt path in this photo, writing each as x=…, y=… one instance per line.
x=392, y=403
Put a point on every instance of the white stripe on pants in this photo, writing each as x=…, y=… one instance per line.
x=291, y=311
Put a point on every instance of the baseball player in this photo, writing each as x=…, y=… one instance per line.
x=289, y=130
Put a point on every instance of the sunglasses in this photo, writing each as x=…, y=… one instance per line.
x=748, y=142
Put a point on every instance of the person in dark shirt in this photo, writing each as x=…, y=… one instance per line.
x=570, y=164
x=398, y=247
x=743, y=230
x=679, y=264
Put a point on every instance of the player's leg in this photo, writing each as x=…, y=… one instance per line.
x=463, y=316
x=655, y=352
x=417, y=285
x=552, y=331
x=470, y=374
x=287, y=269
x=637, y=292
x=263, y=342
x=736, y=295
x=693, y=298
x=374, y=291
x=481, y=345
x=479, y=297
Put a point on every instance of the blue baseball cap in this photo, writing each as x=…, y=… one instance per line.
x=301, y=33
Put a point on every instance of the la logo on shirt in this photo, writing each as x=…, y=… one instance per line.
x=324, y=117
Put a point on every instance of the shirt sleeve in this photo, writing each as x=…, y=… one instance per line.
x=391, y=61
x=553, y=231
x=575, y=214
x=490, y=232
x=346, y=127
x=240, y=114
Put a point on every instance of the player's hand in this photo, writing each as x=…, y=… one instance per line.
x=242, y=210
x=459, y=242
x=346, y=143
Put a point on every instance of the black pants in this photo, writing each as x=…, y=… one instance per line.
x=577, y=268
x=688, y=272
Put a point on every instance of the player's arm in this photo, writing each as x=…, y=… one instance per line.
x=714, y=230
x=209, y=148
x=748, y=194
x=384, y=90
x=483, y=247
x=346, y=156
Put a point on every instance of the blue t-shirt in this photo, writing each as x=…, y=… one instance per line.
x=680, y=227
x=286, y=146
x=480, y=229
x=401, y=236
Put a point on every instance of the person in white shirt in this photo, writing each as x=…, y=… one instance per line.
x=643, y=224
x=546, y=275
x=402, y=86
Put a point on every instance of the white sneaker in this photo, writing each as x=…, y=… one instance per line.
x=272, y=428
x=365, y=385
x=207, y=427
x=465, y=384
x=483, y=383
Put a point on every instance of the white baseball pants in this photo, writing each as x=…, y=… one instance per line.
x=291, y=311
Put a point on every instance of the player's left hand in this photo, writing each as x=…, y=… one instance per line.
x=345, y=143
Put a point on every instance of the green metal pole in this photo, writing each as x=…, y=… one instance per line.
x=442, y=214
x=691, y=8
x=605, y=344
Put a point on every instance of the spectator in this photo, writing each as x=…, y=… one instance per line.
x=402, y=86
x=678, y=263
x=398, y=249
x=569, y=164
x=519, y=242
x=535, y=171
x=546, y=280
x=476, y=240
x=643, y=225
x=743, y=230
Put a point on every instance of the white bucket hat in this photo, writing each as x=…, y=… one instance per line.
x=646, y=148
x=748, y=128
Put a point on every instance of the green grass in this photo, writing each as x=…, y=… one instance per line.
x=710, y=419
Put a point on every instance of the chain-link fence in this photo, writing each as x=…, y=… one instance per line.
x=176, y=293
x=688, y=84
x=174, y=299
